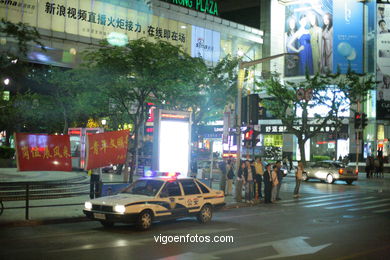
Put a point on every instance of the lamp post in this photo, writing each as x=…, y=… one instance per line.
x=240, y=81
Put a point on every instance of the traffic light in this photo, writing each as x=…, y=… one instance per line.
x=364, y=120
x=358, y=120
x=255, y=137
x=250, y=109
x=248, y=133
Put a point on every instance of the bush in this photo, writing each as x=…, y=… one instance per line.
x=6, y=152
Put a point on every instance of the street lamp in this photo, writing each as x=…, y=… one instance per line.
x=240, y=81
x=6, y=81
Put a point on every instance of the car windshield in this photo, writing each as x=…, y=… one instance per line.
x=144, y=187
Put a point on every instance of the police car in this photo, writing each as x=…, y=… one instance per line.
x=156, y=198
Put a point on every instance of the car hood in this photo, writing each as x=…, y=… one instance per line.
x=121, y=199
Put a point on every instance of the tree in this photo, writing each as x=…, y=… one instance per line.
x=335, y=93
x=13, y=111
x=130, y=76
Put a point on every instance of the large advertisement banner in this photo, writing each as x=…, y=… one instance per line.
x=106, y=148
x=40, y=152
x=324, y=35
x=383, y=61
x=348, y=36
x=206, y=44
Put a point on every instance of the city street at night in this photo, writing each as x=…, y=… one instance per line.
x=335, y=221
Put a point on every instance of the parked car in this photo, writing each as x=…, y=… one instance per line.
x=330, y=171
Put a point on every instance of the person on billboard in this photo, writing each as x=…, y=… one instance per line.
x=304, y=50
x=386, y=81
x=291, y=67
x=315, y=41
x=327, y=44
x=383, y=27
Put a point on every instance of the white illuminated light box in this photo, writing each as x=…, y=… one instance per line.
x=172, y=141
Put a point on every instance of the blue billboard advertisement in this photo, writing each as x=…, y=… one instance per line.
x=348, y=36
x=324, y=35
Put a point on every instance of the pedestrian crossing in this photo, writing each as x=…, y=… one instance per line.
x=348, y=201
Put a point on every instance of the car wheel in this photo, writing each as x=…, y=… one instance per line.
x=144, y=221
x=305, y=177
x=107, y=224
x=349, y=182
x=329, y=178
x=205, y=214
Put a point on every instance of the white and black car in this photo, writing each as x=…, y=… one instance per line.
x=156, y=198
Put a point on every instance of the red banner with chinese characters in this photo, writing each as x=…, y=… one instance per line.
x=40, y=152
x=106, y=148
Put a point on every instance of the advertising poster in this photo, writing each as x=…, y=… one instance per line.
x=40, y=152
x=383, y=61
x=323, y=35
x=106, y=148
x=309, y=34
x=348, y=36
x=206, y=44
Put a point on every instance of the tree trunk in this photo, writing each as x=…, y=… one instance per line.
x=301, y=144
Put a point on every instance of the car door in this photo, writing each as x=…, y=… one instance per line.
x=173, y=195
x=322, y=171
x=192, y=194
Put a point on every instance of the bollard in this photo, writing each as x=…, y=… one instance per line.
x=27, y=200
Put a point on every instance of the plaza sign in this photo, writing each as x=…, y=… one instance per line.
x=204, y=6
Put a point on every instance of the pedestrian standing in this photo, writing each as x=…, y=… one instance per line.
x=249, y=175
x=280, y=179
x=267, y=179
x=222, y=180
x=275, y=182
x=95, y=182
x=239, y=181
x=298, y=179
x=368, y=167
x=259, y=176
x=377, y=166
x=291, y=162
x=230, y=177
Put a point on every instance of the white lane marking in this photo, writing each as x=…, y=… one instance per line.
x=381, y=211
x=309, y=198
x=336, y=202
x=357, y=204
x=370, y=207
x=315, y=201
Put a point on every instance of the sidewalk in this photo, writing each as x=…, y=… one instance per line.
x=44, y=211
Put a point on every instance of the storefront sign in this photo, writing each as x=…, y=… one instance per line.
x=383, y=62
x=278, y=129
x=204, y=6
x=40, y=152
x=106, y=148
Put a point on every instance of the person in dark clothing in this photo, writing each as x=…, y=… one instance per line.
x=239, y=182
x=95, y=183
x=267, y=184
x=280, y=178
x=222, y=181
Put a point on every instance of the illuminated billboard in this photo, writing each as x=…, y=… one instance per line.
x=326, y=35
x=383, y=61
x=172, y=141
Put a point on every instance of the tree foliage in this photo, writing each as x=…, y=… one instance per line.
x=334, y=92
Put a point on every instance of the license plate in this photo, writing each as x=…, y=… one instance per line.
x=99, y=215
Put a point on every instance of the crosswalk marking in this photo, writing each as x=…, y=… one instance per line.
x=309, y=198
x=336, y=202
x=370, y=207
x=357, y=204
x=381, y=211
x=314, y=201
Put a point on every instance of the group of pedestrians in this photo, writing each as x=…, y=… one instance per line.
x=256, y=178
x=374, y=166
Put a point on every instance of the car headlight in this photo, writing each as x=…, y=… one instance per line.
x=114, y=167
x=88, y=205
x=119, y=208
